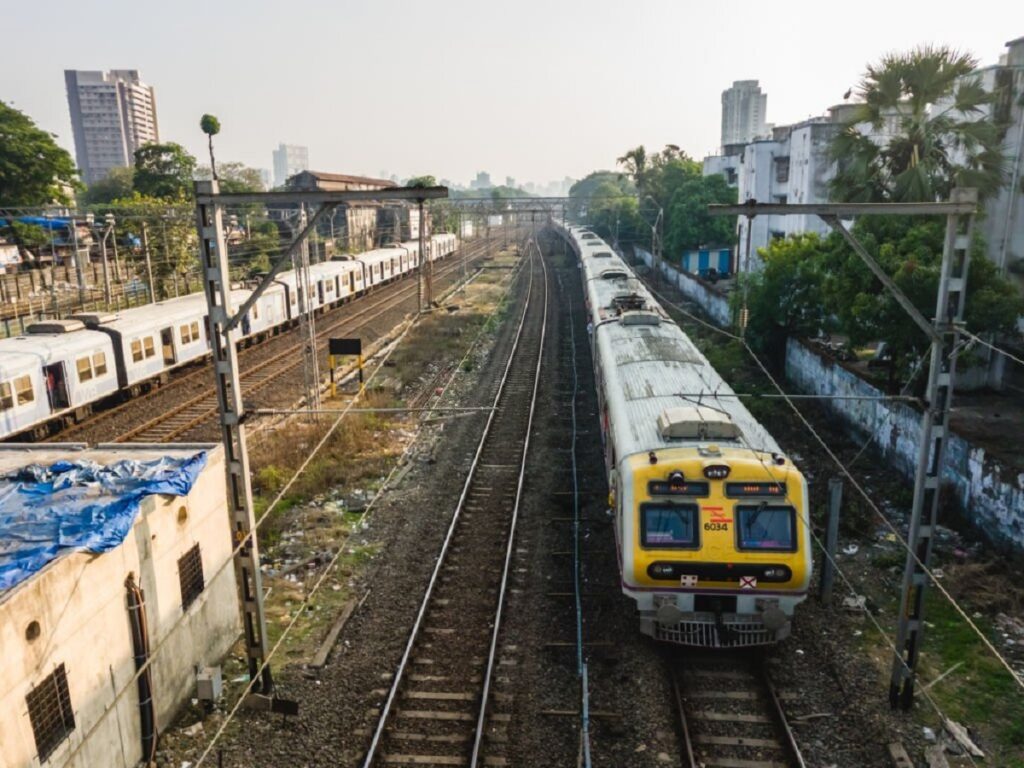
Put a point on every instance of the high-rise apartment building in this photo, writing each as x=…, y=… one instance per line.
x=112, y=115
x=744, y=109
x=289, y=159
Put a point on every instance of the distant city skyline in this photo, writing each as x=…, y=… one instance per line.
x=529, y=117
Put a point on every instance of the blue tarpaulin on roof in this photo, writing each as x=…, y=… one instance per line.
x=79, y=505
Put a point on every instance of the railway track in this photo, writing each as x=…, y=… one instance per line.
x=730, y=714
x=261, y=364
x=441, y=709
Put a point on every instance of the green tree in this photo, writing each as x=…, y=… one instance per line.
x=210, y=125
x=635, y=163
x=809, y=285
x=234, y=177
x=607, y=201
x=34, y=171
x=171, y=232
x=119, y=183
x=785, y=298
x=164, y=171
x=942, y=136
x=688, y=223
x=421, y=181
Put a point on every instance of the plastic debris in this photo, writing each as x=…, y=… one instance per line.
x=851, y=549
x=929, y=734
x=193, y=730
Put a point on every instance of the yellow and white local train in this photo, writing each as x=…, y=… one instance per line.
x=710, y=517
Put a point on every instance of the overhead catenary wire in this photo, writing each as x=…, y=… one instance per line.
x=228, y=563
x=300, y=610
x=1017, y=678
x=978, y=340
x=805, y=518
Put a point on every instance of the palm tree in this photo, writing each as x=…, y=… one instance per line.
x=211, y=127
x=929, y=131
x=635, y=163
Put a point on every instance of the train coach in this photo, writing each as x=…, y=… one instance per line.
x=710, y=516
x=60, y=369
x=56, y=370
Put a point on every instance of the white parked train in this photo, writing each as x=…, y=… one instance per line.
x=60, y=369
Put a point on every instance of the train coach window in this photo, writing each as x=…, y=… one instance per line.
x=766, y=528
x=99, y=364
x=668, y=526
x=186, y=334
x=136, y=351
x=6, y=396
x=23, y=390
x=147, y=345
x=84, y=365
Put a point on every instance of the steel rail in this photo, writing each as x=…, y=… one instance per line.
x=403, y=664
x=779, y=716
x=195, y=369
x=262, y=373
x=784, y=738
x=481, y=722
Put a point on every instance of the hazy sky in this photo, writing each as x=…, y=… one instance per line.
x=535, y=90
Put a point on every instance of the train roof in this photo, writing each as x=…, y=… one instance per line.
x=657, y=383
x=36, y=349
x=162, y=313
x=332, y=268
x=654, y=371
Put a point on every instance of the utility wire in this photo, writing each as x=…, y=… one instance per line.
x=155, y=650
x=1017, y=678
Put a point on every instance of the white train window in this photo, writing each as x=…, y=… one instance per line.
x=99, y=364
x=6, y=396
x=136, y=351
x=668, y=526
x=186, y=334
x=84, y=365
x=147, y=345
x=23, y=390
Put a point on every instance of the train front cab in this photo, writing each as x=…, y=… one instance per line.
x=716, y=550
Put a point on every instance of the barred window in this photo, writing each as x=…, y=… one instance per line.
x=49, y=711
x=190, y=575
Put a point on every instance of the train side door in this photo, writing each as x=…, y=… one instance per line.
x=320, y=291
x=352, y=282
x=167, y=342
x=56, y=386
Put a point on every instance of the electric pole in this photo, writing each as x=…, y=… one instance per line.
x=307, y=323
x=949, y=314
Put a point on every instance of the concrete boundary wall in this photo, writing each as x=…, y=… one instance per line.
x=715, y=304
x=990, y=494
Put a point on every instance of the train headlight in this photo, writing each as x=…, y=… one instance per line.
x=776, y=573
x=662, y=570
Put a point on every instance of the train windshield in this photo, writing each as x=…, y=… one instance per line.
x=668, y=525
x=766, y=527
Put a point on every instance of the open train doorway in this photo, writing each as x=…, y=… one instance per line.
x=167, y=341
x=56, y=386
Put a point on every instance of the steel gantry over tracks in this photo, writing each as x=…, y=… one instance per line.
x=942, y=331
x=224, y=332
